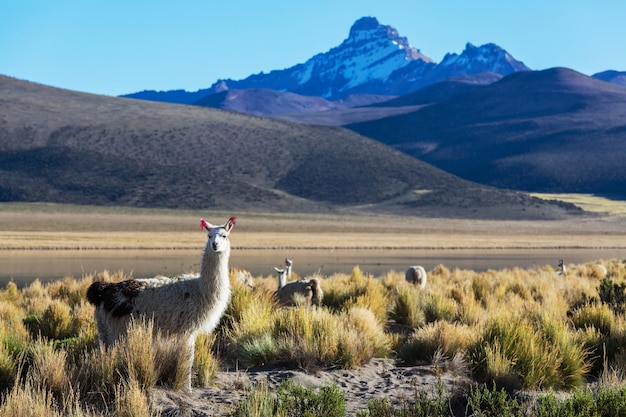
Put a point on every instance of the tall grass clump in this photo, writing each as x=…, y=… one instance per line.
x=138, y=354
x=206, y=364
x=11, y=294
x=260, y=401
x=55, y=323
x=49, y=367
x=407, y=307
x=516, y=353
x=357, y=290
x=31, y=398
x=309, y=338
x=131, y=400
x=246, y=331
x=596, y=316
x=450, y=339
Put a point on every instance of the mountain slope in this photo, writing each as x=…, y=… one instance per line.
x=265, y=102
x=262, y=101
x=554, y=130
x=64, y=146
x=374, y=59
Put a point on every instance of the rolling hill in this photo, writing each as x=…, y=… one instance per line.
x=69, y=147
x=266, y=102
x=549, y=131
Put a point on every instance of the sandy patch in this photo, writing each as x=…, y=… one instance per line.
x=380, y=378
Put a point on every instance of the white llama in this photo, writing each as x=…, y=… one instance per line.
x=416, y=275
x=306, y=291
x=561, y=269
x=179, y=308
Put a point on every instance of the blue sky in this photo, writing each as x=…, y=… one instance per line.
x=116, y=47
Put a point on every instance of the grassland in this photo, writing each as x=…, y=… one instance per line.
x=503, y=333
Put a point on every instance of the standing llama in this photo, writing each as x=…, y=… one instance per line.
x=416, y=275
x=306, y=291
x=561, y=269
x=179, y=308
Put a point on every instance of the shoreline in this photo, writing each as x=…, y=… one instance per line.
x=314, y=248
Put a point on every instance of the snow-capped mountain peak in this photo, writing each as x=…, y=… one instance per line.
x=486, y=58
x=374, y=59
x=368, y=29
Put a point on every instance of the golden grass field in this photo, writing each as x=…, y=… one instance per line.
x=528, y=329
x=50, y=226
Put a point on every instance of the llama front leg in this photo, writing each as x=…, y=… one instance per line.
x=185, y=366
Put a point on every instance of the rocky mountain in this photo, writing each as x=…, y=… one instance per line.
x=374, y=59
x=70, y=147
x=554, y=130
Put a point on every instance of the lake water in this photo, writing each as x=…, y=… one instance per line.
x=25, y=266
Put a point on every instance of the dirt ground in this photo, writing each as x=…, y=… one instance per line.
x=381, y=378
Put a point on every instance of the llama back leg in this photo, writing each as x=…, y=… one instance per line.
x=105, y=334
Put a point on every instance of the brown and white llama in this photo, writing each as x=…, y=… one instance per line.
x=179, y=308
x=303, y=292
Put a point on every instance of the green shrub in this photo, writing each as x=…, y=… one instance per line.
x=299, y=401
x=579, y=404
x=485, y=402
x=613, y=294
x=291, y=399
x=421, y=406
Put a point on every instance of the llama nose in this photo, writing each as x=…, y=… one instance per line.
x=214, y=245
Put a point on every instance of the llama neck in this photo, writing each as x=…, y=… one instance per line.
x=282, y=279
x=214, y=273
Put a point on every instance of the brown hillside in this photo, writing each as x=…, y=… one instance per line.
x=70, y=147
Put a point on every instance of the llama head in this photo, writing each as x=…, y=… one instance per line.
x=218, y=235
x=288, y=262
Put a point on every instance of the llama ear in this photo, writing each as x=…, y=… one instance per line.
x=230, y=224
x=205, y=225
